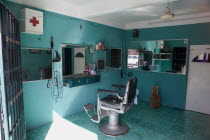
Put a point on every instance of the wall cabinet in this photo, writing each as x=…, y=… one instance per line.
x=74, y=81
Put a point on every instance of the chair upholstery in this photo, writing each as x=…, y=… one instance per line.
x=130, y=92
x=111, y=101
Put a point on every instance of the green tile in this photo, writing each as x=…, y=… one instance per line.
x=145, y=124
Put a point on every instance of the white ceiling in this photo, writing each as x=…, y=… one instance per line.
x=123, y=13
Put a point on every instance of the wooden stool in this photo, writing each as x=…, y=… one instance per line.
x=155, y=98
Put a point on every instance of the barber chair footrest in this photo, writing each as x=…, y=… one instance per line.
x=95, y=118
x=88, y=107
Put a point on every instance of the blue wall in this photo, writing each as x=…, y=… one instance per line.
x=172, y=87
x=39, y=60
x=38, y=103
x=37, y=99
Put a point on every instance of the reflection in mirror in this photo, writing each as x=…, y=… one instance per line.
x=158, y=55
x=100, y=64
x=134, y=59
x=114, y=58
x=75, y=58
x=203, y=58
x=36, y=64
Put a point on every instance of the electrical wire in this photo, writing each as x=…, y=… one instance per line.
x=56, y=87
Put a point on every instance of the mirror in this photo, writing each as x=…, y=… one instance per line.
x=75, y=58
x=114, y=57
x=158, y=55
x=36, y=64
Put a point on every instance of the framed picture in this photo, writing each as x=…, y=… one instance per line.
x=91, y=49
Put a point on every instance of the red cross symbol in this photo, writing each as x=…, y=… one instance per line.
x=34, y=21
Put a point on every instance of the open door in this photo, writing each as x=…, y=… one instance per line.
x=1, y=119
x=11, y=91
x=198, y=90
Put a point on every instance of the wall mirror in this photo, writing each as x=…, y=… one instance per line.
x=114, y=57
x=158, y=55
x=36, y=64
x=75, y=58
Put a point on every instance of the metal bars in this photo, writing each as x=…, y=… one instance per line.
x=11, y=79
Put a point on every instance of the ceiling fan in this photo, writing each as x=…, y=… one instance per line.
x=167, y=13
x=149, y=11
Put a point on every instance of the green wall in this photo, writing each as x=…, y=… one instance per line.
x=33, y=62
x=38, y=103
x=172, y=87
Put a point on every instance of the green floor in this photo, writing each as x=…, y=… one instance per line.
x=144, y=123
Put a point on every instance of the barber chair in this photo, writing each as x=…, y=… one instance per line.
x=113, y=105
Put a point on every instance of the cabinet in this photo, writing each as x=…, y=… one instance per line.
x=74, y=81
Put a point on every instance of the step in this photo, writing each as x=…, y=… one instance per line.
x=88, y=107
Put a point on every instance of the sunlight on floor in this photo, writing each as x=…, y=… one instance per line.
x=62, y=129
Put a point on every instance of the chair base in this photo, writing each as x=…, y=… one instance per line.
x=115, y=130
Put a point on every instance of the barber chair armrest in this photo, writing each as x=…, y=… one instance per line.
x=118, y=86
x=110, y=92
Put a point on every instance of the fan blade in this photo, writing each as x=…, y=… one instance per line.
x=142, y=12
x=148, y=10
x=142, y=9
x=145, y=14
x=192, y=10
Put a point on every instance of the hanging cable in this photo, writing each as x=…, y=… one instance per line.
x=56, y=87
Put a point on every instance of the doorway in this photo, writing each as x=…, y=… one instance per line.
x=198, y=90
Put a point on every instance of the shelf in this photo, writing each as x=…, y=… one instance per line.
x=162, y=53
x=161, y=59
x=178, y=59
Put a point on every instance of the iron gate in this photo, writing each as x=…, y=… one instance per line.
x=10, y=76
